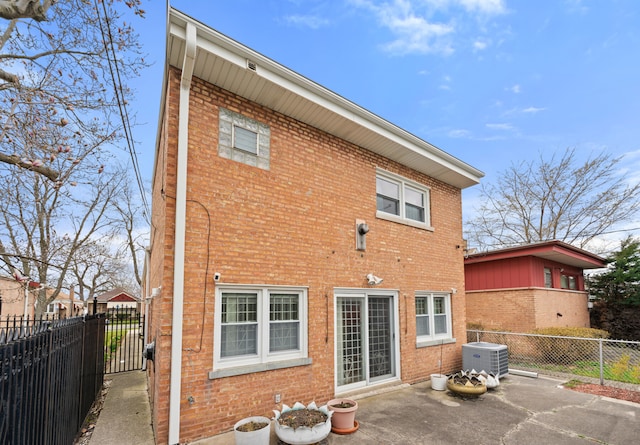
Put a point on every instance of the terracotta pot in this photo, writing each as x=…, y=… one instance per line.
x=343, y=418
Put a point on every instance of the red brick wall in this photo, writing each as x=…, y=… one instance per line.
x=291, y=225
x=525, y=309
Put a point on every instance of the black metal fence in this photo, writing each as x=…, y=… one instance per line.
x=124, y=339
x=50, y=374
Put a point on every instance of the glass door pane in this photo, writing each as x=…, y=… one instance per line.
x=349, y=333
x=380, y=338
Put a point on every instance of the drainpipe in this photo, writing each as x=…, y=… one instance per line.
x=181, y=212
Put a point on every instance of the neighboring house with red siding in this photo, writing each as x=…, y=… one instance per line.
x=114, y=300
x=527, y=287
x=276, y=204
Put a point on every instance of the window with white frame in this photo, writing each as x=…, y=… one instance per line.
x=401, y=200
x=243, y=139
x=433, y=315
x=256, y=325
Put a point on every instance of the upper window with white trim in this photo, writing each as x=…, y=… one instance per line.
x=433, y=316
x=244, y=139
x=255, y=325
x=402, y=200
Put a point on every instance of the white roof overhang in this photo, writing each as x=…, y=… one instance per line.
x=226, y=63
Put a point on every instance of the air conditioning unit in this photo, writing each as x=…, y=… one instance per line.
x=490, y=357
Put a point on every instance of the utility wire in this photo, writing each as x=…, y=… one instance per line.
x=124, y=115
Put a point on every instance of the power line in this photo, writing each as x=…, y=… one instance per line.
x=124, y=115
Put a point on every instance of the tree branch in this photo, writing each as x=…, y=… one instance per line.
x=15, y=160
x=25, y=9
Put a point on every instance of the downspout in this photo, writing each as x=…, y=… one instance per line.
x=181, y=212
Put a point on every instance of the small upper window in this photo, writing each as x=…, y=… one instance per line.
x=246, y=140
x=401, y=200
x=243, y=139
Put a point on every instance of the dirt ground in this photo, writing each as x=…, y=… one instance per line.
x=606, y=391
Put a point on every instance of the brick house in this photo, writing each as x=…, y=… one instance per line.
x=527, y=287
x=277, y=208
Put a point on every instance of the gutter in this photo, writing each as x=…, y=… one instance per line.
x=180, y=235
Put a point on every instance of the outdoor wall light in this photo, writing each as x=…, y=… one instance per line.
x=361, y=231
x=373, y=280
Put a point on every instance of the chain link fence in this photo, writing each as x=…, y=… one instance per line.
x=604, y=359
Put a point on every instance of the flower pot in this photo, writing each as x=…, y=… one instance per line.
x=343, y=420
x=256, y=437
x=438, y=382
x=302, y=435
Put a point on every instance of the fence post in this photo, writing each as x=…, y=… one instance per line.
x=601, y=363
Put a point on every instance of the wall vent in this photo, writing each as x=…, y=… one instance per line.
x=252, y=65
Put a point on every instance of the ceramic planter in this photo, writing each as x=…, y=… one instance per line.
x=343, y=420
x=302, y=435
x=257, y=437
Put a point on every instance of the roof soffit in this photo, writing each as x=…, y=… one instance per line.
x=223, y=62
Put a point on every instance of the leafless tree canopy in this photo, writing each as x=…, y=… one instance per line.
x=560, y=198
x=65, y=55
x=62, y=64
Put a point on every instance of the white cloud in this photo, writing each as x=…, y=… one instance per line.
x=514, y=89
x=527, y=110
x=414, y=29
x=308, y=21
x=490, y=7
x=500, y=126
x=480, y=45
x=459, y=133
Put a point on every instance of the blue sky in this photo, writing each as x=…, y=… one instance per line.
x=492, y=82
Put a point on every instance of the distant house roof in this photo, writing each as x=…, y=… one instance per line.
x=232, y=66
x=555, y=250
x=116, y=295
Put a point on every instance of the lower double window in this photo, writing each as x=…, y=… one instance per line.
x=255, y=325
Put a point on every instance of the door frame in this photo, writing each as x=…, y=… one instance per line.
x=364, y=293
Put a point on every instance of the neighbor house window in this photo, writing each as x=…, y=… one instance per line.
x=401, y=200
x=255, y=325
x=433, y=315
x=548, y=282
x=568, y=282
x=243, y=139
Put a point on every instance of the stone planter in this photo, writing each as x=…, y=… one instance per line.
x=257, y=437
x=466, y=384
x=302, y=435
x=343, y=420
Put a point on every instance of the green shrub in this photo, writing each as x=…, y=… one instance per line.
x=567, y=350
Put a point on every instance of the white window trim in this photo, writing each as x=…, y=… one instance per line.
x=436, y=339
x=234, y=139
x=263, y=355
x=402, y=183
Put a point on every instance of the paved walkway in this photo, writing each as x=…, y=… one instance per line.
x=521, y=411
x=125, y=418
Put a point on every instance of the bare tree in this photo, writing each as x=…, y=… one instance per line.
x=99, y=267
x=556, y=199
x=71, y=56
x=44, y=225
